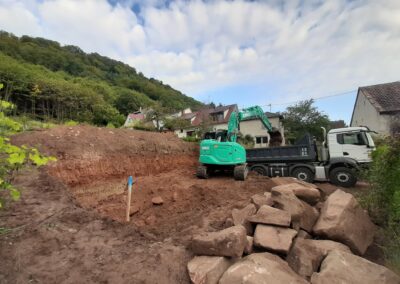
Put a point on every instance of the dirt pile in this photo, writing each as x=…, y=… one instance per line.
x=86, y=154
x=94, y=164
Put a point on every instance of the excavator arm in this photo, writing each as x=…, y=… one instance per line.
x=246, y=113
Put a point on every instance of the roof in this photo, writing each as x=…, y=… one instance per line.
x=136, y=116
x=204, y=114
x=384, y=97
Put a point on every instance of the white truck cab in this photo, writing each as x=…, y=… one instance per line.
x=351, y=142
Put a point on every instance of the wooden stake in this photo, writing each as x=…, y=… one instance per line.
x=128, y=203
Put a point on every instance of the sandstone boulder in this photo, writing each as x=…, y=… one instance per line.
x=239, y=217
x=207, y=269
x=157, y=200
x=311, y=195
x=303, y=215
x=228, y=242
x=342, y=219
x=272, y=238
x=248, y=249
x=342, y=267
x=271, y=216
x=305, y=256
x=260, y=268
x=261, y=199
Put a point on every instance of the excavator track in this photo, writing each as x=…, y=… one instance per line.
x=202, y=172
x=240, y=172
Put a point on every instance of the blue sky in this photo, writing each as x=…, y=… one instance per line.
x=244, y=52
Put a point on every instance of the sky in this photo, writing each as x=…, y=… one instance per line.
x=268, y=53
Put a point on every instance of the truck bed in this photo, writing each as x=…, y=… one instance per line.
x=302, y=151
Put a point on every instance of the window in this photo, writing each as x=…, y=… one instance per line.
x=352, y=138
x=219, y=116
x=262, y=140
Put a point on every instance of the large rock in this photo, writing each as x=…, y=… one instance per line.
x=239, y=217
x=207, y=269
x=342, y=219
x=276, y=239
x=260, y=268
x=261, y=199
x=303, y=215
x=229, y=242
x=308, y=194
x=271, y=216
x=305, y=256
x=341, y=267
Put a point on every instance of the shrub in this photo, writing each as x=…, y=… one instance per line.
x=70, y=123
x=13, y=158
x=383, y=200
x=191, y=139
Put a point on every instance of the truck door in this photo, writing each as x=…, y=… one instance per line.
x=354, y=145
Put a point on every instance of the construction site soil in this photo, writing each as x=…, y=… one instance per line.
x=69, y=226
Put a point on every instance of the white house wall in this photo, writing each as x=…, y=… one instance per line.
x=365, y=114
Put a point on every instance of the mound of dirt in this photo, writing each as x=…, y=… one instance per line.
x=86, y=154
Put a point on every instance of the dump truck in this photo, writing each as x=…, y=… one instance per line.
x=343, y=153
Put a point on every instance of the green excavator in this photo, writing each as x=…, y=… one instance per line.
x=220, y=151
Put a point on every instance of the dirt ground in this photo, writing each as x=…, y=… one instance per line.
x=69, y=225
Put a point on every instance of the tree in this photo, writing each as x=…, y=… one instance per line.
x=176, y=123
x=157, y=113
x=303, y=117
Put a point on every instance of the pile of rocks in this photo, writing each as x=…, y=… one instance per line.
x=289, y=235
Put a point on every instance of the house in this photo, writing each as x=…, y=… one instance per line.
x=211, y=118
x=134, y=118
x=217, y=118
x=255, y=128
x=378, y=107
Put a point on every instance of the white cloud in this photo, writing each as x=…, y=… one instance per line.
x=300, y=48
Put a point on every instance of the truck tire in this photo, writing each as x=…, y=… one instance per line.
x=240, y=172
x=343, y=176
x=260, y=170
x=304, y=174
x=202, y=172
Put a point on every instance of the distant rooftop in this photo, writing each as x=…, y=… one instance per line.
x=384, y=97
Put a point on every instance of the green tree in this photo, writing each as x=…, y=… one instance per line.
x=303, y=117
x=176, y=123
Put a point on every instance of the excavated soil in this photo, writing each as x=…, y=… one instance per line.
x=69, y=226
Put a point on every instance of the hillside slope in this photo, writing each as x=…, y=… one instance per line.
x=48, y=80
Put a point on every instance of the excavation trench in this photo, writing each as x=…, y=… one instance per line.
x=94, y=164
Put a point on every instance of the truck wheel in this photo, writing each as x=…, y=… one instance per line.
x=304, y=174
x=240, y=172
x=342, y=176
x=260, y=170
x=202, y=172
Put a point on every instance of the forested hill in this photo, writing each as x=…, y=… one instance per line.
x=47, y=80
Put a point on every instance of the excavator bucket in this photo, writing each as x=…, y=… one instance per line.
x=275, y=138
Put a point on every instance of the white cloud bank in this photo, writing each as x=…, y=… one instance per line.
x=305, y=48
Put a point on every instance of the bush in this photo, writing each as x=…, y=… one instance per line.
x=191, y=139
x=70, y=123
x=383, y=200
